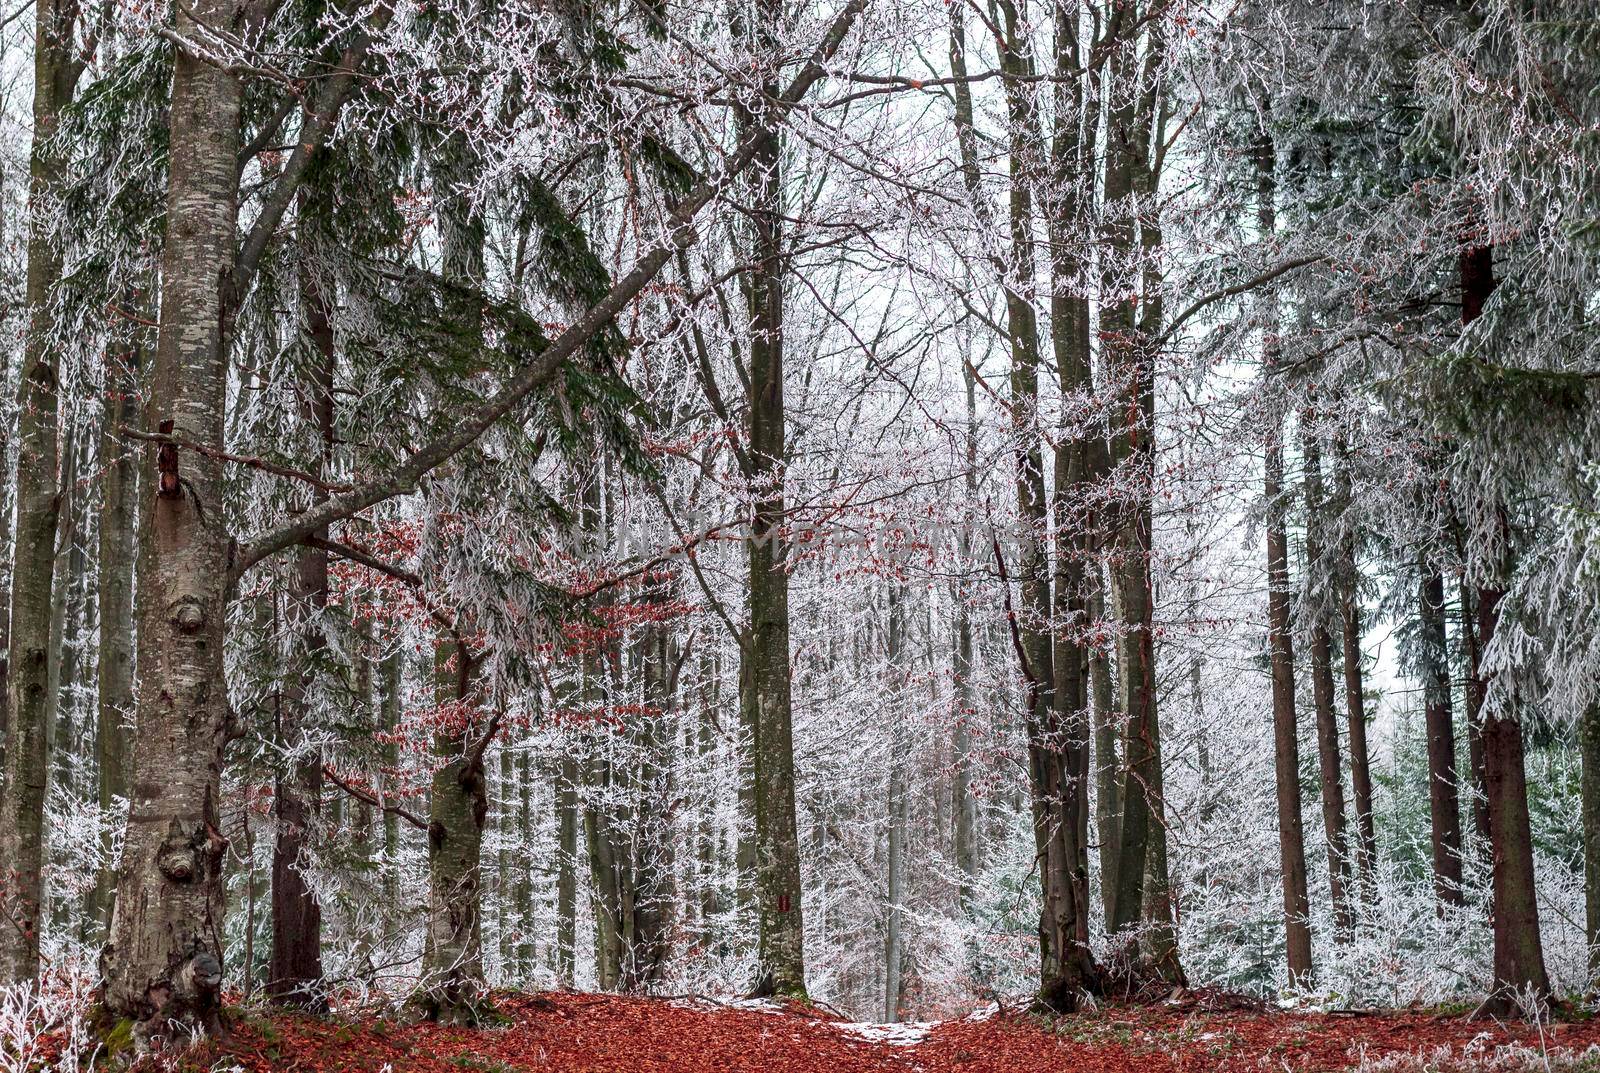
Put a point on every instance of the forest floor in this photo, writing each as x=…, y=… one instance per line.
x=593, y=1033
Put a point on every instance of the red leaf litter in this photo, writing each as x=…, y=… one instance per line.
x=592, y=1033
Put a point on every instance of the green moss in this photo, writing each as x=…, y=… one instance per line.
x=119, y=1038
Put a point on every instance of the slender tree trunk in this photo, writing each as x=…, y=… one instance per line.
x=393, y=674
x=524, y=951
x=164, y=961
x=1355, y=704
x=1285, y=731
x=1474, y=697
x=66, y=614
x=1285, y=724
x=567, y=870
x=1444, y=805
x=1589, y=746
x=1107, y=765
x=295, y=969
x=452, y=989
x=965, y=804
x=1330, y=768
x=119, y=515
x=26, y=749
x=899, y=813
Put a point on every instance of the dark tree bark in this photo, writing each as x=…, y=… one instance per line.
x=1444, y=803
x=1329, y=765
x=1130, y=243
x=765, y=678
x=1355, y=700
x=1285, y=724
x=1285, y=731
x=295, y=968
x=1328, y=761
x=1589, y=746
x=1519, y=971
x=1474, y=698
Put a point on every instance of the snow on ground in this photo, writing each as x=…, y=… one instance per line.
x=901, y=1034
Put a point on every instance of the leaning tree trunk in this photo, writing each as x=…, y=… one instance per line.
x=27, y=698
x=164, y=960
x=1444, y=803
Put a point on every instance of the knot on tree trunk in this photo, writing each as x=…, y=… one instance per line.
x=187, y=614
x=186, y=856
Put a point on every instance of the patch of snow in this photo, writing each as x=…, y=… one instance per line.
x=903, y=1034
x=983, y=1013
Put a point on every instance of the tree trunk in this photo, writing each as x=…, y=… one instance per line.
x=1474, y=697
x=567, y=870
x=119, y=515
x=1444, y=805
x=1072, y=146
x=25, y=722
x=1355, y=700
x=1519, y=972
x=765, y=677
x=295, y=970
x=1107, y=765
x=1285, y=724
x=164, y=961
x=1589, y=746
x=1330, y=769
x=452, y=989
x=965, y=804
x=1518, y=953
x=1285, y=731
x=899, y=810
